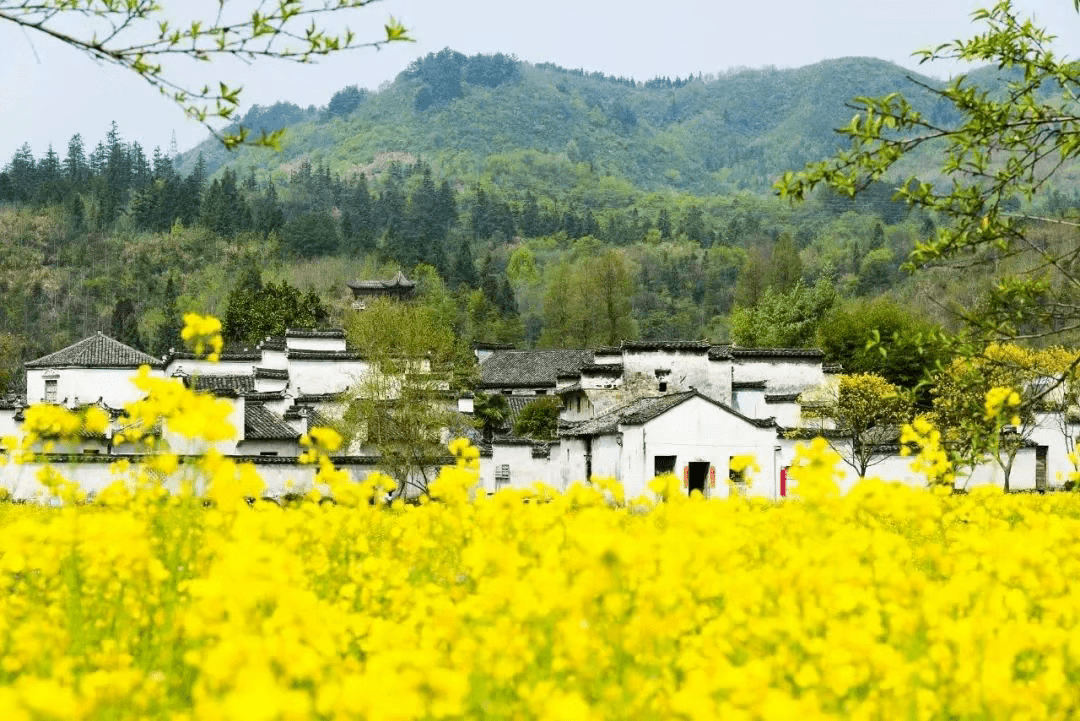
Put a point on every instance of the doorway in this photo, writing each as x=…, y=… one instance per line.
x=696, y=474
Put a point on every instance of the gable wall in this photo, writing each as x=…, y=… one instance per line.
x=112, y=385
x=782, y=375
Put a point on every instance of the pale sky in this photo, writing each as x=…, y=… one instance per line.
x=48, y=91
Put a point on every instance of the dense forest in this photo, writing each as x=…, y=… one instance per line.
x=536, y=206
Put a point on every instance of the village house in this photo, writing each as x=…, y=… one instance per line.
x=630, y=412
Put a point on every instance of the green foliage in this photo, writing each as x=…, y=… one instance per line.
x=999, y=147
x=491, y=412
x=587, y=302
x=784, y=319
x=309, y=235
x=257, y=310
x=539, y=420
x=885, y=338
x=405, y=404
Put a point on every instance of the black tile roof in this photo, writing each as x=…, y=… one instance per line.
x=777, y=353
x=645, y=409
x=530, y=368
x=615, y=369
x=214, y=383
x=782, y=397
x=398, y=281
x=272, y=342
x=224, y=357
x=720, y=352
x=748, y=385
x=675, y=345
x=320, y=397
x=314, y=332
x=281, y=374
x=97, y=351
x=260, y=424
x=329, y=355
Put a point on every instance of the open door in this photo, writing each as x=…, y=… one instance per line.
x=696, y=474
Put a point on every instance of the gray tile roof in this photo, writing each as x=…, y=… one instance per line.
x=530, y=368
x=281, y=374
x=272, y=342
x=645, y=409
x=226, y=355
x=720, y=352
x=330, y=355
x=260, y=424
x=777, y=353
x=636, y=412
x=314, y=332
x=676, y=345
x=782, y=397
x=748, y=385
x=213, y=383
x=97, y=351
x=614, y=369
x=399, y=281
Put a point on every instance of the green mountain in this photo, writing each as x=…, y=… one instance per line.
x=550, y=129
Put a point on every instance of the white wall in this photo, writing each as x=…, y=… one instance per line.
x=782, y=375
x=319, y=376
x=524, y=469
x=322, y=344
x=787, y=414
x=202, y=367
x=112, y=385
x=751, y=402
x=688, y=368
x=694, y=431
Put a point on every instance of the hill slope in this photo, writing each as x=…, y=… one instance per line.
x=534, y=125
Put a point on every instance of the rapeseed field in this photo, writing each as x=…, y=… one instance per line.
x=885, y=603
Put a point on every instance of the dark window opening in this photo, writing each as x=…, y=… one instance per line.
x=663, y=464
x=268, y=453
x=663, y=386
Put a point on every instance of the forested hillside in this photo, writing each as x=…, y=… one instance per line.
x=536, y=205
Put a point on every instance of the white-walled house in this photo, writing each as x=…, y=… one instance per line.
x=628, y=412
x=96, y=369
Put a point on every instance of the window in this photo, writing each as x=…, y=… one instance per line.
x=267, y=453
x=663, y=386
x=50, y=390
x=663, y=464
x=502, y=474
x=733, y=475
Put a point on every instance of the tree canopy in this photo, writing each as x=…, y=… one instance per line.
x=999, y=149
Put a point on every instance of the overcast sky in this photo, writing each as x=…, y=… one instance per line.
x=48, y=92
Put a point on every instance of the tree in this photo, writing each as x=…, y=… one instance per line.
x=539, y=420
x=784, y=319
x=866, y=412
x=404, y=407
x=882, y=337
x=1000, y=149
x=345, y=101
x=491, y=412
x=986, y=405
x=256, y=310
x=141, y=37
